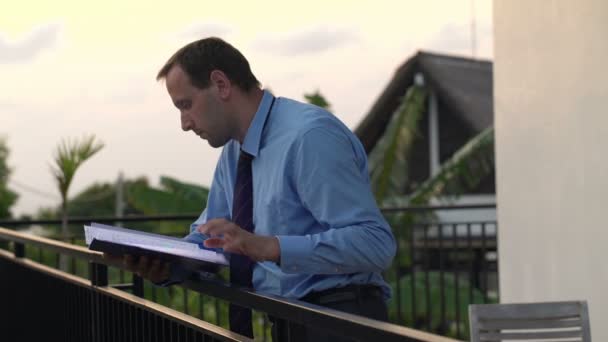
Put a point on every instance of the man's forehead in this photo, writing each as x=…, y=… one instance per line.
x=176, y=74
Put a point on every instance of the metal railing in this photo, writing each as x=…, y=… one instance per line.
x=55, y=305
x=446, y=260
x=441, y=266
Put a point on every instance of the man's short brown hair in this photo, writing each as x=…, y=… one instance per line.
x=199, y=58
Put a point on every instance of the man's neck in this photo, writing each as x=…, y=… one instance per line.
x=245, y=111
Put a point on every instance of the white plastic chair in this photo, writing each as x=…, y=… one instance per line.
x=530, y=321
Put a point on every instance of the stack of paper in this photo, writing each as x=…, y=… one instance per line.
x=114, y=237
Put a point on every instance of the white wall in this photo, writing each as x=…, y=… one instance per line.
x=551, y=107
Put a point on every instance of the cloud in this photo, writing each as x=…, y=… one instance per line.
x=31, y=46
x=205, y=29
x=307, y=41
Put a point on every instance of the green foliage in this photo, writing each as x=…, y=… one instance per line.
x=454, y=307
x=99, y=199
x=464, y=170
x=70, y=154
x=174, y=197
x=389, y=159
x=7, y=197
x=389, y=164
x=317, y=99
x=96, y=200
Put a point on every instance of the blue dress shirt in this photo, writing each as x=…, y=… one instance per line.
x=311, y=190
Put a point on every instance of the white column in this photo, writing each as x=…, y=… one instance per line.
x=433, y=133
x=551, y=120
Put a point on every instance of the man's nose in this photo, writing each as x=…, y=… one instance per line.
x=186, y=123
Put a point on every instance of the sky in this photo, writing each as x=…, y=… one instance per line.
x=74, y=68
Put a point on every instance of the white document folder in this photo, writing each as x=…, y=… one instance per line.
x=119, y=241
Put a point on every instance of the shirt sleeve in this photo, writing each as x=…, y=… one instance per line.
x=217, y=202
x=331, y=178
x=217, y=207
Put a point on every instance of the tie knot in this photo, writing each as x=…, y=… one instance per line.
x=246, y=156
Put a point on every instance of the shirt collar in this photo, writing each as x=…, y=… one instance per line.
x=251, y=143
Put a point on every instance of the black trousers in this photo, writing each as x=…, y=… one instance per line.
x=362, y=300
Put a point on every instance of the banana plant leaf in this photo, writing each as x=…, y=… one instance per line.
x=389, y=159
x=173, y=198
x=464, y=170
x=186, y=191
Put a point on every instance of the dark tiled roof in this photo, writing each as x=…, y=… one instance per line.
x=462, y=84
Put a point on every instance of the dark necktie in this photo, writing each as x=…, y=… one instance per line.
x=241, y=267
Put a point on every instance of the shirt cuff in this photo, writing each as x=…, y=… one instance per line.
x=293, y=251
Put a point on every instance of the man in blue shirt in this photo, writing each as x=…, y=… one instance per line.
x=315, y=229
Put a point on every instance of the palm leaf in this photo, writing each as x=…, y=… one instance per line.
x=70, y=154
x=463, y=171
x=388, y=160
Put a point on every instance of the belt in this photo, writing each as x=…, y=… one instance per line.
x=344, y=294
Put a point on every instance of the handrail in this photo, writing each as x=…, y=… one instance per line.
x=314, y=315
x=194, y=216
x=54, y=245
x=300, y=312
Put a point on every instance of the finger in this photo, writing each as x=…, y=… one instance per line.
x=225, y=228
x=212, y=226
x=214, y=243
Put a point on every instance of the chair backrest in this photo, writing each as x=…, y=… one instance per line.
x=530, y=321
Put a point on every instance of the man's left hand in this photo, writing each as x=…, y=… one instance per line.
x=232, y=238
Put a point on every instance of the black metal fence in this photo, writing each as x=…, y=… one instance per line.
x=42, y=303
x=446, y=259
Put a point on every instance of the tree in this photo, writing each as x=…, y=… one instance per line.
x=7, y=197
x=172, y=197
x=70, y=154
x=317, y=99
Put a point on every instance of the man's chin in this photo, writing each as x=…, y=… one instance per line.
x=215, y=143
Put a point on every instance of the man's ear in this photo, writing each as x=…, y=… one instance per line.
x=222, y=83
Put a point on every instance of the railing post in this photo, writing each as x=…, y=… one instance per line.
x=138, y=286
x=98, y=274
x=19, y=250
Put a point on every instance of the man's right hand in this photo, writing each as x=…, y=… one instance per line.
x=152, y=269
